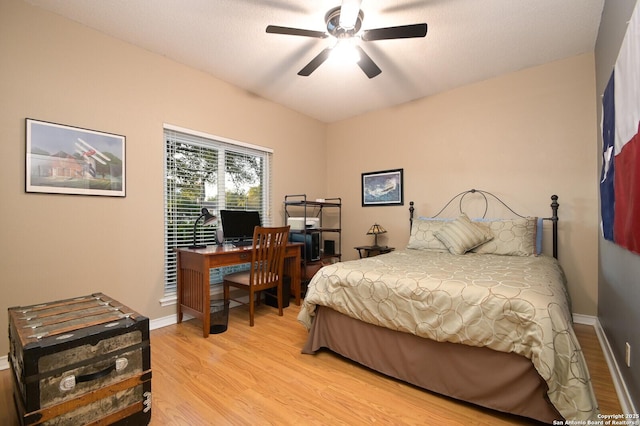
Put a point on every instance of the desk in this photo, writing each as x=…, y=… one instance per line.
x=193, y=276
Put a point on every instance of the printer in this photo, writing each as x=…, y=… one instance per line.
x=300, y=223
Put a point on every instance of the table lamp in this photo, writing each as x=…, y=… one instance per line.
x=375, y=230
x=208, y=219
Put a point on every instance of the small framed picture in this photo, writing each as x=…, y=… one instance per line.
x=384, y=188
x=63, y=159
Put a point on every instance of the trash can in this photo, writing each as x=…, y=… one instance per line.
x=271, y=294
x=219, y=316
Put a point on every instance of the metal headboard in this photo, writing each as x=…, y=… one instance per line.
x=553, y=218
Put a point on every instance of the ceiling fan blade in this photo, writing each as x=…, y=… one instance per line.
x=315, y=63
x=349, y=11
x=274, y=29
x=403, y=31
x=366, y=64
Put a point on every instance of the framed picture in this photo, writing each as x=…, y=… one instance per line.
x=384, y=188
x=70, y=160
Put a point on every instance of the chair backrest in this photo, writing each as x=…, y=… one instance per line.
x=267, y=254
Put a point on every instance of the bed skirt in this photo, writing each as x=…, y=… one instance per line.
x=500, y=381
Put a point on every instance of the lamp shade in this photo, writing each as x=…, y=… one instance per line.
x=375, y=230
x=208, y=219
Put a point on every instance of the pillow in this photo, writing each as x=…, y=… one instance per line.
x=462, y=235
x=422, y=237
x=511, y=237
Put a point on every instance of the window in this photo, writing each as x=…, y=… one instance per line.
x=207, y=171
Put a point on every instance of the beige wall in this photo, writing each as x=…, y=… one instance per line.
x=56, y=246
x=523, y=136
x=531, y=131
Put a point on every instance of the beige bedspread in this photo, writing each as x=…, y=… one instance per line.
x=507, y=303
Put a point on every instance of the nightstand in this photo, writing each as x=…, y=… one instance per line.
x=370, y=251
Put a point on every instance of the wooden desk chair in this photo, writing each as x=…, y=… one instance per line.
x=267, y=265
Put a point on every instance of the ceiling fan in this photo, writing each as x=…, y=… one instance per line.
x=344, y=23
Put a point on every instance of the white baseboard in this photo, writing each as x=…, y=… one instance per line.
x=618, y=382
x=153, y=324
x=166, y=321
x=585, y=319
x=621, y=388
x=173, y=319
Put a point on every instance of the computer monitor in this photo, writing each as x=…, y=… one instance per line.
x=238, y=225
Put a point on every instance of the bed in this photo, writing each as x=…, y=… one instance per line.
x=471, y=309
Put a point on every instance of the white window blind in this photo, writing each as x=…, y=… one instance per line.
x=206, y=171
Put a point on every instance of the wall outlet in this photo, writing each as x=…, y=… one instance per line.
x=627, y=354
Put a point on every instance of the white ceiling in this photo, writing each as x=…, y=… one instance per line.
x=467, y=41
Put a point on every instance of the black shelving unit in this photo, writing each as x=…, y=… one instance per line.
x=328, y=213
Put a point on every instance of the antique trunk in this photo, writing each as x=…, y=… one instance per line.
x=80, y=361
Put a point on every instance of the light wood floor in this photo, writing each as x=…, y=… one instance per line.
x=258, y=376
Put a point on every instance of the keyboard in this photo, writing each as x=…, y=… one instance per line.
x=243, y=243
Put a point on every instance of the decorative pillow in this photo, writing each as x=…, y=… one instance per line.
x=422, y=237
x=462, y=235
x=511, y=237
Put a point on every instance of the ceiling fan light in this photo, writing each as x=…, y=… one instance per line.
x=345, y=52
x=349, y=13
